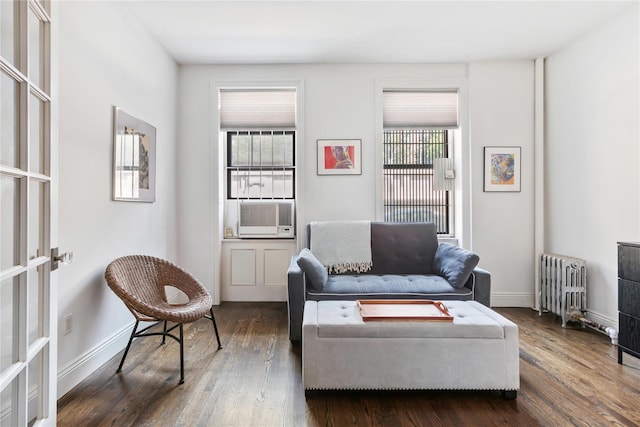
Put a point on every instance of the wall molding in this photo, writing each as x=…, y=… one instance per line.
x=80, y=368
x=508, y=299
x=602, y=319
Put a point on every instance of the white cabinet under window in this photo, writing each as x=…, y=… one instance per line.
x=255, y=270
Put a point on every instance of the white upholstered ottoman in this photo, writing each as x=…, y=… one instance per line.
x=477, y=351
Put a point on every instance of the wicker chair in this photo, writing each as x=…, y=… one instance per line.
x=139, y=281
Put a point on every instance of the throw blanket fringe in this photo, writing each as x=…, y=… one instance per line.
x=357, y=267
x=342, y=246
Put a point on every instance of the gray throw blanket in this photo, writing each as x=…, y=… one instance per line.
x=342, y=246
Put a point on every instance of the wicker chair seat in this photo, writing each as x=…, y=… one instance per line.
x=140, y=281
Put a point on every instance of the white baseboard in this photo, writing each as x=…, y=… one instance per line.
x=602, y=319
x=604, y=322
x=504, y=299
x=77, y=370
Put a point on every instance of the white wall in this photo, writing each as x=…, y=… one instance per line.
x=106, y=60
x=501, y=114
x=339, y=102
x=593, y=155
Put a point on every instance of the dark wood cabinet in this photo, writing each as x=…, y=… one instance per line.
x=629, y=299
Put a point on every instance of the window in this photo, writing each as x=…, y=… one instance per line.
x=417, y=132
x=260, y=165
x=259, y=125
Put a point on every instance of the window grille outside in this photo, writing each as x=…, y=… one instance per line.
x=409, y=195
x=260, y=164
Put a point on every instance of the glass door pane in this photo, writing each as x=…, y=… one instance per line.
x=9, y=153
x=34, y=307
x=8, y=294
x=36, y=216
x=34, y=388
x=7, y=31
x=36, y=134
x=8, y=405
x=9, y=221
x=36, y=39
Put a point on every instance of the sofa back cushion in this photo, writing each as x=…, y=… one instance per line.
x=400, y=248
x=407, y=248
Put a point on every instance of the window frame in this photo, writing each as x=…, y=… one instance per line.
x=228, y=134
x=462, y=157
x=443, y=198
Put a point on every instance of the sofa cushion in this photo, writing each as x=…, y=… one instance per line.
x=389, y=286
x=403, y=248
x=316, y=272
x=454, y=264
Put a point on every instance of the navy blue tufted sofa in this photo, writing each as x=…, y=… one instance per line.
x=403, y=268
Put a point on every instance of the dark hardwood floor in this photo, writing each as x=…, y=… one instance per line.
x=568, y=377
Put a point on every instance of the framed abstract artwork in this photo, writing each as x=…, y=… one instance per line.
x=502, y=169
x=339, y=157
x=134, y=158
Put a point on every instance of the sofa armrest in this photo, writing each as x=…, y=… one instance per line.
x=296, y=295
x=480, y=283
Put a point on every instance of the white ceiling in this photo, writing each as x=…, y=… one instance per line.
x=268, y=32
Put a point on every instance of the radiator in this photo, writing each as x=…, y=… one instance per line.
x=563, y=285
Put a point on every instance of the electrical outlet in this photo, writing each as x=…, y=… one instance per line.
x=68, y=324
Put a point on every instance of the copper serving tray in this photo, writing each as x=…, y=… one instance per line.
x=417, y=310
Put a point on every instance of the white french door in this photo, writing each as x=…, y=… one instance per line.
x=28, y=334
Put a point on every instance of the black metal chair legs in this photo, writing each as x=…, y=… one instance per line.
x=166, y=332
x=215, y=327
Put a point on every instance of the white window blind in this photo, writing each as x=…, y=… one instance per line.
x=257, y=108
x=420, y=109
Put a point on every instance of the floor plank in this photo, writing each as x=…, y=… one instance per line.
x=569, y=376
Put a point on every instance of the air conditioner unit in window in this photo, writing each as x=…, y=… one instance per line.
x=273, y=219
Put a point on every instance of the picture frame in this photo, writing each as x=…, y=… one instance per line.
x=502, y=169
x=339, y=157
x=134, y=158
